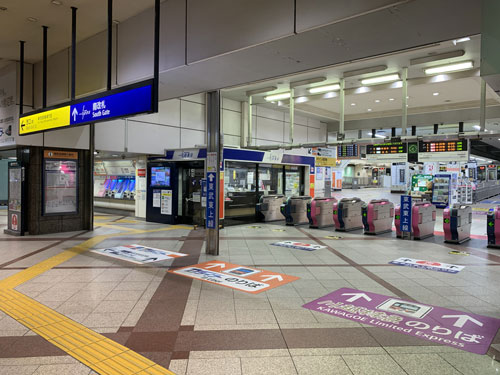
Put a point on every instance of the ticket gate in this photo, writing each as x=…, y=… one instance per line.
x=347, y=214
x=295, y=210
x=423, y=219
x=397, y=221
x=493, y=227
x=269, y=207
x=457, y=222
x=377, y=216
x=320, y=212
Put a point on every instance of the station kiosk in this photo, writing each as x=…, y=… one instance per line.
x=347, y=214
x=269, y=207
x=377, y=216
x=493, y=227
x=423, y=219
x=295, y=210
x=457, y=222
x=320, y=212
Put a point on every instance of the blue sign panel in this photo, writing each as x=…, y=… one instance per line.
x=126, y=103
x=211, y=197
x=405, y=213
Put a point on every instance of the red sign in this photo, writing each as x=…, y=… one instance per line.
x=14, y=221
x=141, y=172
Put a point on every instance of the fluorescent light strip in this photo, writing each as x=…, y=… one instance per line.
x=449, y=68
x=273, y=98
x=380, y=79
x=320, y=89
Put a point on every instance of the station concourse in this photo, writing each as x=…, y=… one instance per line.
x=287, y=187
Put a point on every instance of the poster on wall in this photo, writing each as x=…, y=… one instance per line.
x=60, y=182
x=8, y=107
x=156, y=198
x=166, y=202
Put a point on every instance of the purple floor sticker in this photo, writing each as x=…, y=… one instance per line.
x=470, y=332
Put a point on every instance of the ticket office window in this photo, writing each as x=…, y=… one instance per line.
x=294, y=181
x=270, y=179
x=240, y=186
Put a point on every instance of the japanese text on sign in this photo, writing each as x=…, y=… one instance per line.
x=405, y=222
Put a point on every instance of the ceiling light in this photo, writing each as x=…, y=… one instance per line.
x=114, y=155
x=353, y=104
x=369, y=109
x=56, y=2
x=272, y=98
x=461, y=40
x=464, y=65
x=391, y=99
x=32, y=19
x=380, y=79
x=377, y=100
x=301, y=99
x=435, y=93
x=407, y=97
x=319, y=89
x=477, y=127
x=379, y=136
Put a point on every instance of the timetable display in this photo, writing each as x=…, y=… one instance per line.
x=386, y=148
x=442, y=146
x=347, y=151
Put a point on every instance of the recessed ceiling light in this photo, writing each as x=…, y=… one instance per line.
x=319, y=89
x=353, y=104
x=461, y=40
x=464, y=65
x=56, y=2
x=377, y=100
x=391, y=99
x=380, y=79
x=272, y=98
x=435, y=93
x=32, y=19
x=369, y=109
x=114, y=155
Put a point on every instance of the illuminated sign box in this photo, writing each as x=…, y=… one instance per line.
x=120, y=102
x=443, y=151
x=347, y=151
x=395, y=151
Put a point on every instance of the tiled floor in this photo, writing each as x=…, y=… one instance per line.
x=192, y=327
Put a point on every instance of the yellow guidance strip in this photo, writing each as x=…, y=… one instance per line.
x=92, y=349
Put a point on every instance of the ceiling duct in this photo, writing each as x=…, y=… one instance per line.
x=358, y=72
x=263, y=90
x=304, y=82
x=440, y=56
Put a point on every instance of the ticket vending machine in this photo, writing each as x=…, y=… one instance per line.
x=269, y=207
x=320, y=212
x=295, y=210
x=423, y=219
x=347, y=214
x=377, y=216
x=493, y=227
x=457, y=222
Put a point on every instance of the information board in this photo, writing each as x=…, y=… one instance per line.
x=60, y=182
x=347, y=151
x=443, y=151
x=394, y=151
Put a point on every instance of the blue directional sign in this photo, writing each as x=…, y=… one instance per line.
x=125, y=103
x=405, y=213
x=211, y=197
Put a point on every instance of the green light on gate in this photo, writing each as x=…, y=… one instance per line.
x=490, y=223
x=446, y=221
x=398, y=217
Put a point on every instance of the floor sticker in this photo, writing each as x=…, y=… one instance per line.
x=246, y=279
x=333, y=237
x=299, y=245
x=454, y=252
x=470, y=332
x=278, y=230
x=138, y=254
x=428, y=265
x=254, y=227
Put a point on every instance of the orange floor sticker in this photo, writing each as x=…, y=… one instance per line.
x=235, y=276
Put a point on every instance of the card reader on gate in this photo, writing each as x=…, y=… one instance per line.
x=295, y=210
x=423, y=219
x=493, y=227
x=457, y=221
x=347, y=214
x=320, y=212
x=377, y=216
x=269, y=207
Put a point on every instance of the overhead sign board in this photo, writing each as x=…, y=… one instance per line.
x=391, y=151
x=350, y=151
x=120, y=102
x=443, y=151
x=462, y=330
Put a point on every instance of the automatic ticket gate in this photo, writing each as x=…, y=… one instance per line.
x=269, y=207
x=457, y=222
x=347, y=214
x=320, y=212
x=423, y=219
x=295, y=210
x=377, y=216
x=493, y=227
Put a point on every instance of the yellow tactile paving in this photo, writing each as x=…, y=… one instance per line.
x=96, y=351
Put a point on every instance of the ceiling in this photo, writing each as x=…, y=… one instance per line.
x=91, y=19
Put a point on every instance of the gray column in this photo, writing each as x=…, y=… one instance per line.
x=341, y=132
x=292, y=113
x=249, y=139
x=482, y=108
x=404, y=119
x=214, y=145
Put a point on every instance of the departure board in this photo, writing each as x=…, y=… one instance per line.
x=442, y=146
x=347, y=151
x=386, y=148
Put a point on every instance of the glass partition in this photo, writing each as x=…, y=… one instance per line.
x=240, y=186
x=270, y=179
x=294, y=181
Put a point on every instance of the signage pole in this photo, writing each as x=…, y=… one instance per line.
x=44, y=68
x=292, y=114
x=212, y=167
x=110, y=42
x=21, y=76
x=91, y=175
x=73, y=52
x=404, y=122
x=156, y=68
x=482, y=107
x=340, y=134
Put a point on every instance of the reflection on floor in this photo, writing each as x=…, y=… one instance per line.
x=193, y=327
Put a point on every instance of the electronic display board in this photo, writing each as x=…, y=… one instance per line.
x=347, y=151
x=442, y=146
x=386, y=148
